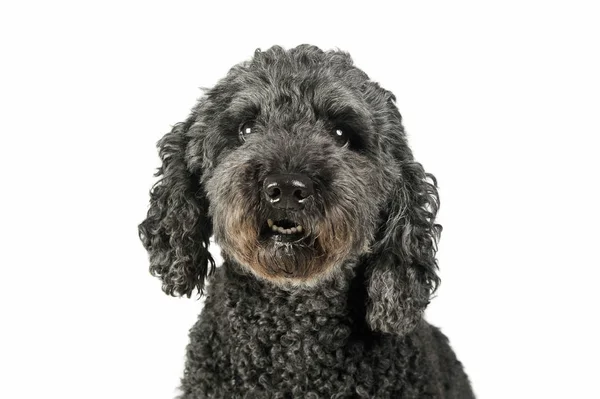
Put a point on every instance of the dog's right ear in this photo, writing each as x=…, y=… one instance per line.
x=177, y=228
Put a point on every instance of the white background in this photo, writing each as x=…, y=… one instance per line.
x=500, y=101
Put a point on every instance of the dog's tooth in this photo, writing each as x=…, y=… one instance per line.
x=288, y=231
x=270, y=222
x=293, y=230
x=281, y=230
x=274, y=228
x=299, y=229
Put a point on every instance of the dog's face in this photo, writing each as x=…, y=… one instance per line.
x=297, y=163
x=294, y=169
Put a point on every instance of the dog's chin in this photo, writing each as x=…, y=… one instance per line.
x=284, y=251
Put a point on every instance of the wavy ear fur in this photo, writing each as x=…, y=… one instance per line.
x=401, y=273
x=177, y=229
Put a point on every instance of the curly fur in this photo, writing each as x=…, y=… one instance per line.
x=338, y=314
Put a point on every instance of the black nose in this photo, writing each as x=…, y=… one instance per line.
x=287, y=191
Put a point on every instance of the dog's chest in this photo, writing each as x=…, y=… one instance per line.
x=268, y=345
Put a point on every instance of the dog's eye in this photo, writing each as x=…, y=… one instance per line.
x=341, y=136
x=245, y=129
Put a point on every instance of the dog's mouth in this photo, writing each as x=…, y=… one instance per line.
x=283, y=230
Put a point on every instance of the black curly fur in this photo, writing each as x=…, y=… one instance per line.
x=176, y=231
x=338, y=314
x=399, y=295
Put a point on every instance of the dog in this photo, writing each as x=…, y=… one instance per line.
x=299, y=167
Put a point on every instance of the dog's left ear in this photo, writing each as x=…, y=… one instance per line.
x=177, y=229
x=401, y=273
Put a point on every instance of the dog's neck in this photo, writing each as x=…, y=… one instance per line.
x=337, y=302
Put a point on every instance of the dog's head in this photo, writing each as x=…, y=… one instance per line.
x=298, y=164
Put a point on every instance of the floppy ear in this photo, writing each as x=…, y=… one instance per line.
x=401, y=273
x=177, y=229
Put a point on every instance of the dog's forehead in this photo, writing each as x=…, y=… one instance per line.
x=313, y=91
x=297, y=91
x=298, y=74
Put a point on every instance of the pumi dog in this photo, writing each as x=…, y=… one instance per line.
x=298, y=165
